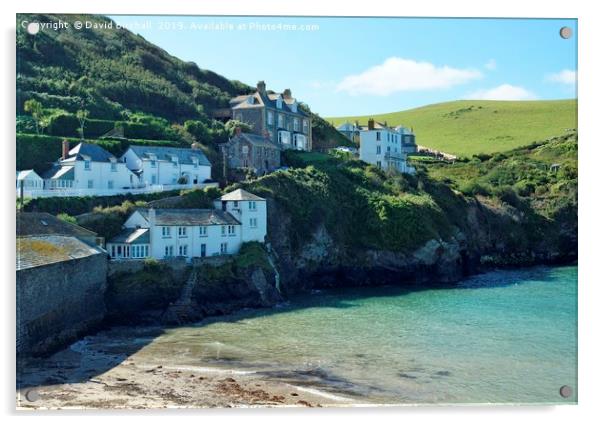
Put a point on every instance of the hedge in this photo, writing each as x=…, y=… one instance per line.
x=39, y=152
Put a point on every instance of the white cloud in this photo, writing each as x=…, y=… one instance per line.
x=563, y=77
x=503, y=92
x=397, y=74
x=491, y=64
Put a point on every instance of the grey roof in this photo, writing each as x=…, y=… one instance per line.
x=59, y=172
x=267, y=100
x=255, y=140
x=42, y=223
x=21, y=175
x=132, y=236
x=240, y=194
x=39, y=250
x=91, y=152
x=189, y=217
x=165, y=153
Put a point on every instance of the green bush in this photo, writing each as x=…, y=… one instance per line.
x=63, y=124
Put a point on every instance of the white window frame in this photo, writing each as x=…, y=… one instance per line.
x=203, y=231
x=166, y=232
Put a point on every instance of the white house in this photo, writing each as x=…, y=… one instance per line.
x=238, y=217
x=90, y=168
x=386, y=147
x=29, y=180
x=167, y=165
x=349, y=130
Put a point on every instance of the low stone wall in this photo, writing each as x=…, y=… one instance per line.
x=57, y=303
x=136, y=265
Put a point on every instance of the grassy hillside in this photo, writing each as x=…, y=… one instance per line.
x=468, y=127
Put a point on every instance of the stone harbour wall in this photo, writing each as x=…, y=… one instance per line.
x=57, y=303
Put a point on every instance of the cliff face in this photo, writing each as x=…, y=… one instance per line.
x=487, y=237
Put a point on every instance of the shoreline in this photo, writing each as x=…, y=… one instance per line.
x=90, y=379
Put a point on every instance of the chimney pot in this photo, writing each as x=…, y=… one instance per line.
x=65, y=150
x=287, y=93
x=370, y=124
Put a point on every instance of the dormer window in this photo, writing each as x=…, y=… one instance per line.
x=113, y=165
x=87, y=164
x=174, y=160
x=279, y=103
x=294, y=106
x=195, y=161
x=250, y=100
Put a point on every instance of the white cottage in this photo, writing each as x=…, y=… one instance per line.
x=386, y=147
x=238, y=217
x=167, y=165
x=29, y=180
x=90, y=168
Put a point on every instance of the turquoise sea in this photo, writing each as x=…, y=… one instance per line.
x=502, y=337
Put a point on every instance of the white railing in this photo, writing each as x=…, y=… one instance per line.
x=74, y=192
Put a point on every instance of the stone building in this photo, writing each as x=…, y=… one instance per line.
x=276, y=116
x=60, y=283
x=252, y=152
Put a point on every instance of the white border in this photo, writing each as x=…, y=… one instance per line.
x=589, y=235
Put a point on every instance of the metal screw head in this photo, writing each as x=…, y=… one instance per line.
x=566, y=32
x=566, y=391
x=32, y=395
x=33, y=28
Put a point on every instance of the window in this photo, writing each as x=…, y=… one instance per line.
x=203, y=250
x=378, y=136
x=168, y=251
x=153, y=163
x=236, y=203
x=203, y=231
x=379, y=164
x=231, y=230
x=113, y=166
x=90, y=183
x=279, y=103
x=183, y=250
x=305, y=126
x=280, y=120
x=252, y=206
x=388, y=149
x=223, y=230
x=110, y=184
x=166, y=231
x=182, y=231
x=253, y=222
x=223, y=248
x=296, y=124
x=87, y=165
x=378, y=150
x=270, y=118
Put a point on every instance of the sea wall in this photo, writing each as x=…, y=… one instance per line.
x=57, y=303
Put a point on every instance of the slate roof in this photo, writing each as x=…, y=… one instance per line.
x=240, y=194
x=21, y=175
x=89, y=151
x=165, y=153
x=256, y=140
x=267, y=100
x=40, y=250
x=132, y=236
x=42, y=223
x=189, y=217
x=59, y=172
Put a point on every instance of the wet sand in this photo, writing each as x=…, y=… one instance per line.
x=92, y=379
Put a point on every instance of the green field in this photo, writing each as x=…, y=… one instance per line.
x=467, y=127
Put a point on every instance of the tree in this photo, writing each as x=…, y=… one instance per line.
x=233, y=124
x=38, y=113
x=82, y=117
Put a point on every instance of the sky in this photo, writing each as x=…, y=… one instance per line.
x=362, y=66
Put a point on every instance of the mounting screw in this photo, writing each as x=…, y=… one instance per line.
x=566, y=32
x=566, y=391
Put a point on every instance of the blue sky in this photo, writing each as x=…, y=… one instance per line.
x=360, y=66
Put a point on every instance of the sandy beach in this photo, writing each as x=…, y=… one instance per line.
x=93, y=379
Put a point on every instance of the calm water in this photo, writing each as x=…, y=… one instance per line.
x=507, y=336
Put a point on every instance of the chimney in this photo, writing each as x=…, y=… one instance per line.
x=261, y=87
x=370, y=124
x=152, y=216
x=287, y=93
x=65, y=149
x=195, y=146
x=237, y=131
